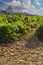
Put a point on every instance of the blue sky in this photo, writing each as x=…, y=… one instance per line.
x=28, y=6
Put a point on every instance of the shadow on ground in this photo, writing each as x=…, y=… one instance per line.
x=33, y=42
x=4, y=45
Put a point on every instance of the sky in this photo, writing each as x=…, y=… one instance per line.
x=28, y=6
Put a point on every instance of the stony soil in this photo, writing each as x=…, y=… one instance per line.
x=29, y=52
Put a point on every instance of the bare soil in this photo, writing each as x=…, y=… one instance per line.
x=23, y=52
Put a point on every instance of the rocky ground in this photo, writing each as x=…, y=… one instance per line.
x=29, y=52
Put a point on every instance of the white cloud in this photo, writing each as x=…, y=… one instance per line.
x=40, y=11
x=30, y=8
x=14, y=3
x=26, y=6
x=33, y=10
x=38, y=2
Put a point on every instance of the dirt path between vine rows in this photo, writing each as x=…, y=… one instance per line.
x=23, y=52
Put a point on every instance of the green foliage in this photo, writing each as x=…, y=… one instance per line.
x=12, y=26
x=40, y=32
x=7, y=34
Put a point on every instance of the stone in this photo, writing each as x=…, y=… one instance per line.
x=12, y=54
x=41, y=54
